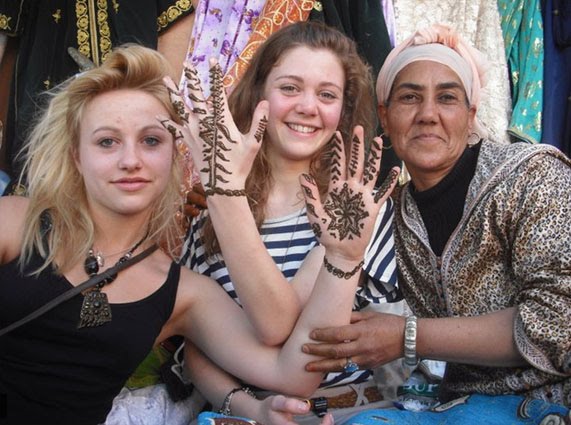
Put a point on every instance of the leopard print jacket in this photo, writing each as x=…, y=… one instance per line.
x=512, y=247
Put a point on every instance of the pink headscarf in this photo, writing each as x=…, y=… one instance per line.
x=442, y=44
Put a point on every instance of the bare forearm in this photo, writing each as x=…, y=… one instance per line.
x=485, y=340
x=269, y=300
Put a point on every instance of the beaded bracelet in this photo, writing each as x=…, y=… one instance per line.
x=225, y=408
x=226, y=192
x=340, y=273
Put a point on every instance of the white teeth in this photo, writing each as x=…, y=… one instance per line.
x=301, y=128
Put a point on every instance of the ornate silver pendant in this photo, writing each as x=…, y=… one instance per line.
x=95, y=309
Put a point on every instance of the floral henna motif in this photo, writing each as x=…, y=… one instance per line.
x=347, y=211
x=393, y=175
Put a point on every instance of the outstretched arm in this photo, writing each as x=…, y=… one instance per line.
x=224, y=156
x=343, y=224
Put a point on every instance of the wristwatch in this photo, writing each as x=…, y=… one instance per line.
x=410, y=358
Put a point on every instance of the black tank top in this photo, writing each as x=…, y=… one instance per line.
x=52, y=372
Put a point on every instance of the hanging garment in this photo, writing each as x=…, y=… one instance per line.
x=556, y=124
x=478, y=21
x=221, y=30
x=46, y=29
x=522, y=29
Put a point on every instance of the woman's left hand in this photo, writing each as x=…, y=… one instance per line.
x=344, y=223
x=222, y=155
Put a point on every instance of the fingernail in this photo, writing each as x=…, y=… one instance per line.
x=304, y=349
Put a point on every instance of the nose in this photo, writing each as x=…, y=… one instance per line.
x=428, y=111
x=130, y=158
x=307, y=104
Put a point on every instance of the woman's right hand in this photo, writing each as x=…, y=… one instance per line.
x=222, y=155
x=280, y=410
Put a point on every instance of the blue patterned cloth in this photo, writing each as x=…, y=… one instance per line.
x=473, y=409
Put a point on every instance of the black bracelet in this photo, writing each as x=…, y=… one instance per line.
x=340, y=273
x=226, y=192
x=225, y=408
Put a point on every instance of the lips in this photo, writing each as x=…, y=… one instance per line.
x=131, y=184
x=302, y=128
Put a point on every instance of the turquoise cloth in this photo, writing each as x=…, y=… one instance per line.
x=474, y=409
x=522, y=28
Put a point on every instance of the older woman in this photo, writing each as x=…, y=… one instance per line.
x=482, y=236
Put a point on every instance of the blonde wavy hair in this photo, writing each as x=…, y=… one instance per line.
x=358, y=107
x=54, y=185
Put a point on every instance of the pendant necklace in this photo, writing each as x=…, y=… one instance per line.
x=95, y=309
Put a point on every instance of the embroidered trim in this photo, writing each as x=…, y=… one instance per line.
x=92, y=24
x=5, y=22
x=173, y=13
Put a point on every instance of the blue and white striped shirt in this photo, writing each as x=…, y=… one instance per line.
x=288, y=240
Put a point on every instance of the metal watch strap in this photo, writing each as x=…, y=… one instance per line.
x=225, y=409
x=410, y=330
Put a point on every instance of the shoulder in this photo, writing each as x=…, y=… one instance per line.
x=13, y=211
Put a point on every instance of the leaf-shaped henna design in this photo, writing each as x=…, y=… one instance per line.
x=371, y=171
x=347, y=211
x=216, y=136
x=393, y=175
x=336, y=150
x=261, y=129
x=317, y=230
x=311, y=210
x=308, y=178
x=354, y=161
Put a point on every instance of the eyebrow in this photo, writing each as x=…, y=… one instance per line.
x=440, y=86
x=298, y=78
x=116, y=129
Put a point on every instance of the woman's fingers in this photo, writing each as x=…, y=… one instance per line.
x=388, y=185
x=356, y=155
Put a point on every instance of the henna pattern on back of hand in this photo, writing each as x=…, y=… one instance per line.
x=393, y=175
x=371, y=171
x=354, y=161
x=336, y=150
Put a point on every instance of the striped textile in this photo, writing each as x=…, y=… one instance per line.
x=288, y=240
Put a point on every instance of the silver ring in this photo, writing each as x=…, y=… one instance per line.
x=350, y=366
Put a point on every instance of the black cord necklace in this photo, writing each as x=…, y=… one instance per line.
x=95, y=309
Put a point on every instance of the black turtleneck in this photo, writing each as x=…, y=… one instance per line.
x=441, y=206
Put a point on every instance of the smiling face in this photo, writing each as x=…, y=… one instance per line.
x=124, y=154
x=428, y=120
x=305, y=92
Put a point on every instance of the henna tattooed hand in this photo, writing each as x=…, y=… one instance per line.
x=344, y=222
x=222, y=155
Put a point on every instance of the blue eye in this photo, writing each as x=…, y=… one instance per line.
x=106, y=143
x=152, y=141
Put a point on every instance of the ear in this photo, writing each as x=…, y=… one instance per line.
x=472, y=116
x=75, y=156
x=382, y=114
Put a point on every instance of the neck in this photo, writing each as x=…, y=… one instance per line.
x=286, y=195
x=118, y=235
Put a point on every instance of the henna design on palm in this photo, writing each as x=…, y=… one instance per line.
x=347, y=211
x=176, y=133
x=371, y=170
x=392, y=176
x=193, y=85
x=354, y=161
x=215, y=135
x=178, y=104
x=317, y=230
x=336, y=150
x=306, y=190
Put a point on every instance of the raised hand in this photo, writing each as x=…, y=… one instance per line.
x=222, y=154
x=344, y=222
